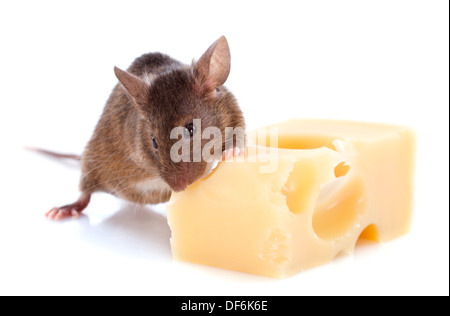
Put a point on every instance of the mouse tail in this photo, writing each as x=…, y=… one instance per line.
x=54, y=154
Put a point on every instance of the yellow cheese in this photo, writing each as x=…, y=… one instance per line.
x=334, y=182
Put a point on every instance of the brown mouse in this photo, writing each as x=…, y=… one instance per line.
x=129, y=152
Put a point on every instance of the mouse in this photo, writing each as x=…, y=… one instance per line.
x=129, y=153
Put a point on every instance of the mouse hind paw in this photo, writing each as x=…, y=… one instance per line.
x=70, y=210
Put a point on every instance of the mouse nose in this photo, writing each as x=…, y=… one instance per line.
x=180, y=180
x=179, y=185
x=184, y=175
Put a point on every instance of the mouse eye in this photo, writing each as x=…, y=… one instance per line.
x=190, y=129
x=155, y=144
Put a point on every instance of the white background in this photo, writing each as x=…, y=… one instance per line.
x=384, y=61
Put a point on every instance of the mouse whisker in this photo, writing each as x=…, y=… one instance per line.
x=120, y=182
x=110, y=180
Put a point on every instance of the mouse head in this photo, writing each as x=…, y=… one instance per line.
x=184, y=111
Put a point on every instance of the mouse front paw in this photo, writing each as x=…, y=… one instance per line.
x=232, y=154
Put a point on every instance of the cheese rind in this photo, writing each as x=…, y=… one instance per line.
x=334, y=182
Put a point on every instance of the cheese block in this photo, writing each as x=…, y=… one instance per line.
x=333, y=183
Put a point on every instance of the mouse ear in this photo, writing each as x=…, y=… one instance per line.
x=135, y=87
x=214, y=65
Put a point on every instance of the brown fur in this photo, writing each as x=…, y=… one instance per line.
x=120, y=153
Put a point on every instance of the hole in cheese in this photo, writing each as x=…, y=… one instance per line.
x=336, y=213
x=295, y=142
x=287, y=140
x=299, y=187
x=370, y=233
x=341, y=169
